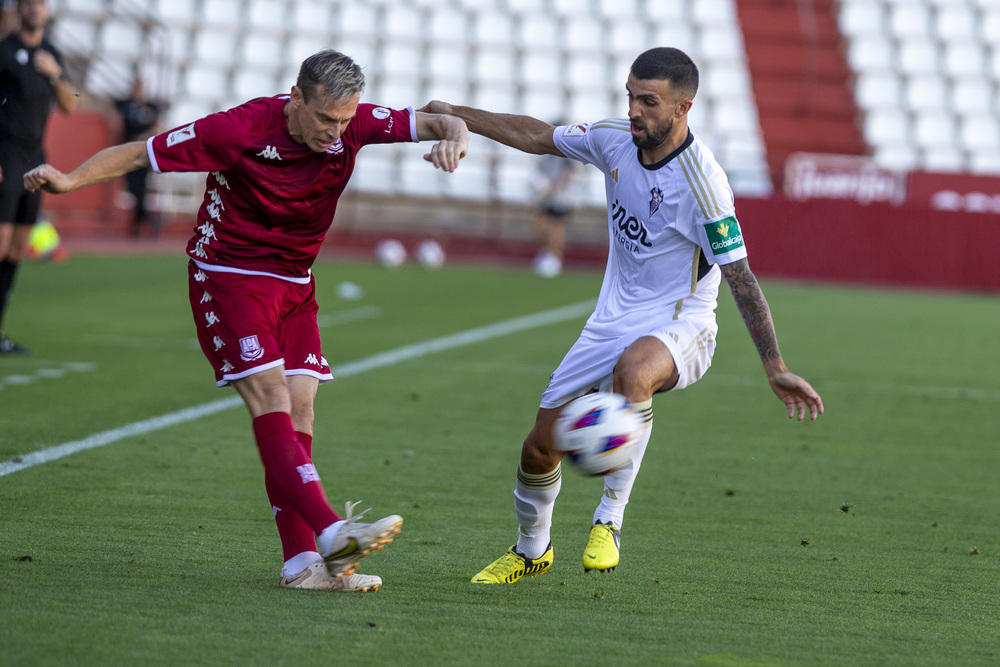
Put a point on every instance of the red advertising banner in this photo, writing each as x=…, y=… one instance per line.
x=848, y=177
x=955, y=192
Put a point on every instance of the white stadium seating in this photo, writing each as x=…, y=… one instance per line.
x=927, y=71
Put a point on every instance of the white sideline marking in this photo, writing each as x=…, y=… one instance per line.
x=389, y=358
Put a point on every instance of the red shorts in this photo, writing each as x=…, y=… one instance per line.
x=248, y=324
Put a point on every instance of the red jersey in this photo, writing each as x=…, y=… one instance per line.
x=269, y=201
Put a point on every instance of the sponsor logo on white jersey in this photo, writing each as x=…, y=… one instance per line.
x=250, y=348
x=724, y=235
x=576, y=130
x=180, y=135
x=380, y=113
x=629, y=230
x=269, y=153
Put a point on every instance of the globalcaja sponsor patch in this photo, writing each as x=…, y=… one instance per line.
x=724, y=235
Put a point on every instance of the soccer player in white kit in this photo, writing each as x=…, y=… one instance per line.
x=673, y=236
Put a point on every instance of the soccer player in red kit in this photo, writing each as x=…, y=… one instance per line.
x=277, y=167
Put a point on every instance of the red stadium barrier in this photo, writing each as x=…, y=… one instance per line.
x=875, y=244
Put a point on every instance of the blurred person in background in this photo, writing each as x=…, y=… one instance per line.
x=553, y=209
x=673, y=238
x=32, y=81
x=276, y=169
x=140, y=120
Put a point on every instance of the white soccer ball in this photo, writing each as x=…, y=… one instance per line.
x=598, y=433
x=390, y=253
x=430, y=254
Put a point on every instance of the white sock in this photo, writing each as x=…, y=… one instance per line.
x=325, y=539
x=534, y=497
x=618, y=486
x=297, y=564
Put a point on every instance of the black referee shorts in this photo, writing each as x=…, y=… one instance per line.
x=17, y=205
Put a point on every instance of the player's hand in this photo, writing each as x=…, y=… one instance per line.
x=446, y=154
x=47, y=178
x=797, y=395
x=46, y=64
x=436, y=106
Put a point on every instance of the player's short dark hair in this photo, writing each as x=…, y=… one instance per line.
x=665, y=63
x=331, y=74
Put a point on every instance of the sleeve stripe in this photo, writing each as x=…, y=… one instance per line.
x=699, y=186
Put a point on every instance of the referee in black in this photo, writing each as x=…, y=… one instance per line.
x=31, y=82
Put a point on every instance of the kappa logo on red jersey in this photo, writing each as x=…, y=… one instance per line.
x=180, y=135
x=576, y=130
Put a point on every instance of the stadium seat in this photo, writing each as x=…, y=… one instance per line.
x=403, y=24
x=178, y=13
x=262, y=49
x=249, y=83
x=934, y=130
x=537, y=31
x=300, y=48
x=494, y=66
x=666, y=11
x=74, y=34
x=610, y=8
x=269, y=15
x=491, y=28
x=541, y=69
x=886, y=126
x=963, y=58
x=927, y=92
x=583, y=34
x=402, y=59
x=862, y=18
x=218, y=48
x=87, y=8
x=713, y=12
x=205, y=83
x=955, y=22
x=980, y=132
x=971, y=95
x=919, y=56
x=628, y=35
x=721, y=42
x=943, y=159
x=585, y=70
x=223, y=14
x=909, y=20
x=871, y=53
x=877, y=89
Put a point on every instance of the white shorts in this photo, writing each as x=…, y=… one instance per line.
x=590, y=363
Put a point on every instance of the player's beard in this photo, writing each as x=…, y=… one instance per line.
x=654, y=137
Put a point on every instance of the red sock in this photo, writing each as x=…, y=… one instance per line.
x=289, y=472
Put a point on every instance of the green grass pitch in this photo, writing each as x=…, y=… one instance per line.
x=866, y=538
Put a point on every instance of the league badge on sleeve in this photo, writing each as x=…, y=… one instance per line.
x=577, y=130
x=180, y=135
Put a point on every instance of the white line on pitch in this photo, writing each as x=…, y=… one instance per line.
x=389, y=358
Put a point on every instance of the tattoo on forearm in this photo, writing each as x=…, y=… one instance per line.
x=753, y=307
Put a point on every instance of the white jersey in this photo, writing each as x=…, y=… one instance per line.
x=670, y=224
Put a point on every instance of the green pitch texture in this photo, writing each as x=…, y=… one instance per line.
x=866, y=538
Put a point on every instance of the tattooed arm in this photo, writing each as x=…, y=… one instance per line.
x=793, y=391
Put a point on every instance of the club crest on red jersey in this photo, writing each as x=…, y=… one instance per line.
x=250, y=348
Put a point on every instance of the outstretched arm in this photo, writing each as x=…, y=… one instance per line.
x=793, y=391
x=521, y=132
x=108, y=164
x=452, y=138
